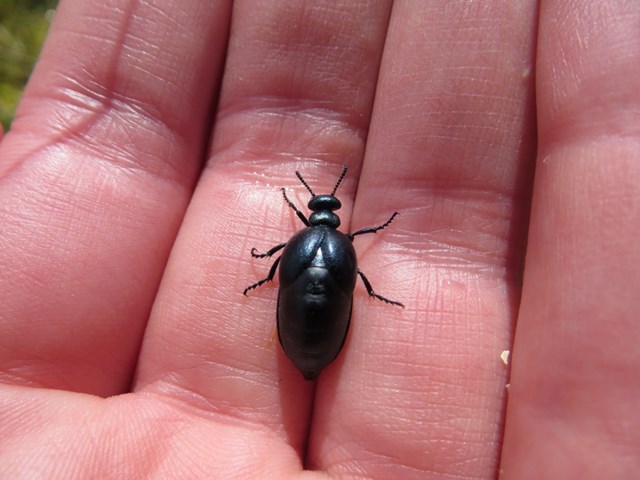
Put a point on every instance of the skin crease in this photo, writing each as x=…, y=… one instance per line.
x=146, y=159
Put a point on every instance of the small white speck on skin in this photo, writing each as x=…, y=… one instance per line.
x=504, y=356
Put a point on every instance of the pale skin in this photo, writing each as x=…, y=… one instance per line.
x=145, y=162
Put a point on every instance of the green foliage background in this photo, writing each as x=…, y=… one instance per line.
x=23, y=26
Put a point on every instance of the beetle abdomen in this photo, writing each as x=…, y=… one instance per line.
x=313, y=320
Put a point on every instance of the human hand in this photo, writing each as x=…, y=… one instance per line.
x=132, y=189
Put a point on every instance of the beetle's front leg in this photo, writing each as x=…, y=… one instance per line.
x=373, y=229
x=268, y=253
x=295, y=209
x=272, y=273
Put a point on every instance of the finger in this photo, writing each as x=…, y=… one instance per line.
x=574, y=390
x=297, y=93
x=420, y=390
x=132, y=436
x=96, y=173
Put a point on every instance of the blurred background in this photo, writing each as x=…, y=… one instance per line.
x=23, y=27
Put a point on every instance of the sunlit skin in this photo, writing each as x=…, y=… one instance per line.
x=145, y=162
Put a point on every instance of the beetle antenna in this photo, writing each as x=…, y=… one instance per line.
x=305, y=183
x=344, y=172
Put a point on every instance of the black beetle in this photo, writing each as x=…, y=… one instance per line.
x=318, y=270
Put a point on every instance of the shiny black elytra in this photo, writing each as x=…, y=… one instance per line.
x=318, y=270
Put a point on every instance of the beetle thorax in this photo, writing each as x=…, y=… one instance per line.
x=323, y=207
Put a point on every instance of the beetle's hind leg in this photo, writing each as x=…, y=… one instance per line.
x=371, y=293
x=268, y=253
x=272, y=273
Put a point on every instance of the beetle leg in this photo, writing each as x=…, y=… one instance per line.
x=373, y=229
x=370, y=291
x=272, y=273
x=295, y=209
x=268, y=253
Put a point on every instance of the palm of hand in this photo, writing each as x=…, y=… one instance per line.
x=128, y=348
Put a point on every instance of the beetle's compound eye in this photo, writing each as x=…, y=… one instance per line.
x=324, y=202
x=324, y=217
